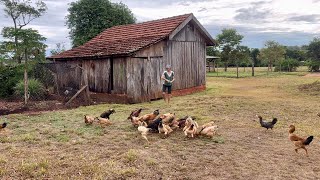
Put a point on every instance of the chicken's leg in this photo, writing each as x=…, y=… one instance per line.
x=305, y=150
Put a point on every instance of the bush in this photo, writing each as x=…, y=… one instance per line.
x=314, y=66
x=35, y=88
x=288, y=65
x=9, y=77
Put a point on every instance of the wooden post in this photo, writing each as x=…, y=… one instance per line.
x=74, y=96
x=237, y=71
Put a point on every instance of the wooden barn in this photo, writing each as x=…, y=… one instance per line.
x=127, y=61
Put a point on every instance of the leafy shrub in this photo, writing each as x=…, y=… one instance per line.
x=314, y=66
x=9, y=77
x=35, y=88
x=288, y=65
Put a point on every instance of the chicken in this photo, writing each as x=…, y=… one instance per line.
x=88, y=119
x=267, y=124
x=143, y=130
x=190, y=130
x=135, y=121
x=107, y=113
x=211, y=123
x=189, y=121
x=3, y=125
x=299, y=142
x=209, y=131
x=182, y=121
x=167, y=118
x=155, y=124
x=163, y=128
x=149, y=117
x=103, y=121
x=135, y=113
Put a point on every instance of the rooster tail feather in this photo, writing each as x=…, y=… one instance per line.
x=308, y=140
x=274, y=121
x=4, y=125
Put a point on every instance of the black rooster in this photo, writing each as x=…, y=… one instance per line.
x=107, y=113
x=267, y=124
x=3, y=125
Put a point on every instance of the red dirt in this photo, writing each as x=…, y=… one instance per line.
x=182, y=92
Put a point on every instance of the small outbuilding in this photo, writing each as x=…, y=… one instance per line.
x=127, y=61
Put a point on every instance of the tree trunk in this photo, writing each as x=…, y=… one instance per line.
x=26, y=78
x=214, y=66
x=244, y=68
x=209, y=66
x=225, y=67
x=16, y=53
x=237, y=71
x=252, y=69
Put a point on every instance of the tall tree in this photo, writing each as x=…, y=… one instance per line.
x=22, y=12
x=239, y=55
x=254, y=53
x=314, y=54
x=88, y=18
x=228, y=40
x=30, y=46
x=272, y=52
x=296, y=52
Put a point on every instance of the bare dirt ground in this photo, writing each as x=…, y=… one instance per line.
x=57, y=145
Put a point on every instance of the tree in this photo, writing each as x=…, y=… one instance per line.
x=30, y=46
x=88, y=18
x=254, y=53
x=272, y=52
x=239, y=55
x=59, y=49
x=22, y=12
x=228, y=41
x=314, y=54
x=296, y=52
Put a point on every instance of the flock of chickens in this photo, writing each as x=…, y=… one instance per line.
x=167, y=123
x=154, y=122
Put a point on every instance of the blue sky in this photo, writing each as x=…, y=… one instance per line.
x=290, y=22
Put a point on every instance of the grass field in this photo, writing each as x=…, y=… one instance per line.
x=58, y=145
x=247, y=72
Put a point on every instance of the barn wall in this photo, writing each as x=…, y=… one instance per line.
x=97, y=73
x=186, y=53
x=119, y=75
x=68, y=74
x=144, y=73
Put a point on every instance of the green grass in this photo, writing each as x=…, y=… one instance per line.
x=259, y=72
